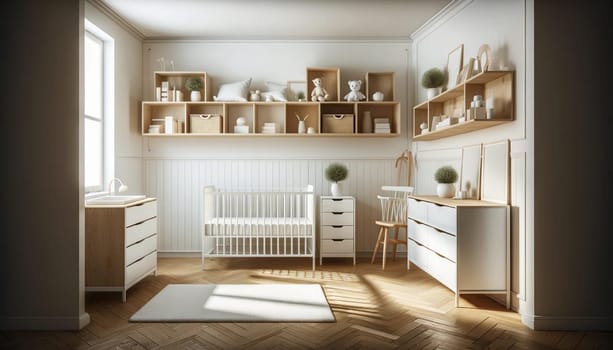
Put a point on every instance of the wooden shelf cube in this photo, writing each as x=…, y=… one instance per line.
x=383, y=82
x=330, y=77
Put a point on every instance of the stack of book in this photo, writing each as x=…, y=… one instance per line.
x=164, y=94
x=382, y=126
x=269, y=128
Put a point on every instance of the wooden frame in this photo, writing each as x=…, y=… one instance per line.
x=455, y=62
x=484, y=56
x=470, y=171
x=495, y=172
x=467, y=71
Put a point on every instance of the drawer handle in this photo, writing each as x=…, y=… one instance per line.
x=337, y=199
x=337, y=212
x=337, y=226
x=338, y=239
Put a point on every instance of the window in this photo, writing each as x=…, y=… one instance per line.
x=98, y=85
x=94, y=112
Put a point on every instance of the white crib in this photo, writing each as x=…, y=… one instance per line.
x=258, y=224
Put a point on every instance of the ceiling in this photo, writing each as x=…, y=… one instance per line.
x=275, y=19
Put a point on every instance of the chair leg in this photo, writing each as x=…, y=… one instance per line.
x=395, y=245
x=385, y=232
x=374, y=253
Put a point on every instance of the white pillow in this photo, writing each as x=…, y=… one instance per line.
x=233, y=92
x=276, y=91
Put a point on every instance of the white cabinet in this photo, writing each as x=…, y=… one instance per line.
x=337, y=227
x=464, y=244
x=120, y=245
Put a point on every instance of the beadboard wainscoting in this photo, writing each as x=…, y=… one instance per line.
x=178, y=184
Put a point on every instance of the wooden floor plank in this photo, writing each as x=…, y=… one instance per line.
x=374, y=309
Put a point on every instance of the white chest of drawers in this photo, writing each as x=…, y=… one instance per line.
x=120, y=245
x=337, y=227
x=465, y=244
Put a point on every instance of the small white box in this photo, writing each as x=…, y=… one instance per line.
x=241, y=129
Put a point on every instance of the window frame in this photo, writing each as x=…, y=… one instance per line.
x=100, y=186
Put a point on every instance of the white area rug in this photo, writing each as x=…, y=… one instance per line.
x=237, y=303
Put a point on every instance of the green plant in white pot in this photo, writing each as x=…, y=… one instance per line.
x=445, y=176
x=336, y=173
x=194, y=84
x=433, y=80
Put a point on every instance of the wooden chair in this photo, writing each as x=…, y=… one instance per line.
x=393, y=216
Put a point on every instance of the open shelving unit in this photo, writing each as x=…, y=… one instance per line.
x=495, y=85
x=256, y=114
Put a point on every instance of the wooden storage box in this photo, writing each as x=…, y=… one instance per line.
x=206, y=123
x=337, y=123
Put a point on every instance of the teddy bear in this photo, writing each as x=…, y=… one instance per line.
x=319, y=94
x=354, y=93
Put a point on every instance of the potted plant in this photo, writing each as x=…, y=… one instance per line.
x=194, y=84
x=336, y=172
x=433, y=80
x=445, y=176
x=300, y=96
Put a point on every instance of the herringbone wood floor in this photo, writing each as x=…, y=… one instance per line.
x=374, y=309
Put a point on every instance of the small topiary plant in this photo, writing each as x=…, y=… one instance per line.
x=193, y=84
x=433, y=78
x=336, y=172
x=446, y=175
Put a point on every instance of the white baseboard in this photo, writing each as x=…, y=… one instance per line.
x=183, y=254
x=568, y=323
x=45, y=323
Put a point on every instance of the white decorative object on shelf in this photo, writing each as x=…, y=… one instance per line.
x=354, y=91
x=254, y=95
x=319, y=93
x=378, y=96
x=240, y=121
x=301, y=125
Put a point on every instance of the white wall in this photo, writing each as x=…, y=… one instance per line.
x=500, y=24
x=127, y=96
x=176, y=168
x=42, y=218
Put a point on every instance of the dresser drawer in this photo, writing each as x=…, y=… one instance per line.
x=141, y=212
x=440, y=242
x=337, y=232
x=438, y=267
x=140, y=267
x=330, y=219
x=442, y=217
x=339, y=246
x=337, y=205
x=144, y=229
x=140, y=249
x=417, y=210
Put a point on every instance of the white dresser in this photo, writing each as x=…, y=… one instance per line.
x=465, y=244
x=120, y=245
x=337, y=227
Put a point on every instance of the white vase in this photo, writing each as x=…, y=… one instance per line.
x=445, y=190
x=336, y=189
x=432, y=92
x=195, y=95
x=301, y=127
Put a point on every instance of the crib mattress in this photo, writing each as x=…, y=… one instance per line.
x=259, y=227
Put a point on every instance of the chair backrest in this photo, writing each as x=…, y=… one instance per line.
x=394, y=205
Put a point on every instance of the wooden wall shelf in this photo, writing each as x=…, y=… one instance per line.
x=208, y=118
x=496, y=86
